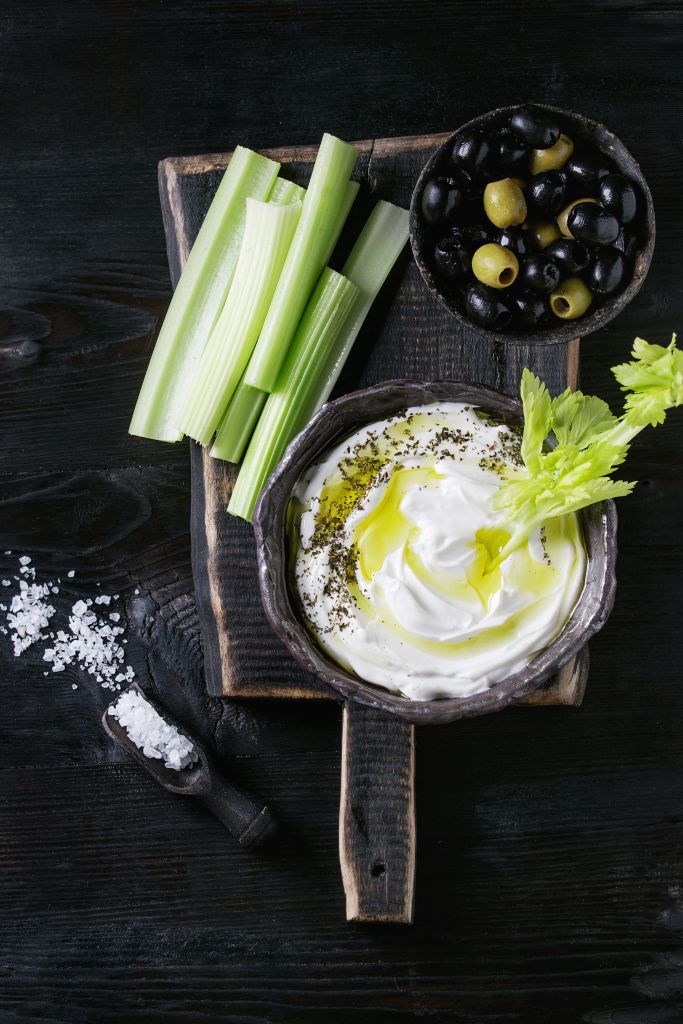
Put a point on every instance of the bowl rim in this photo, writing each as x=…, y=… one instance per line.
x=339, y=418
x=612, y=146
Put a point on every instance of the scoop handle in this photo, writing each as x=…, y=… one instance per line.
x=377, y=833
x=246, y=818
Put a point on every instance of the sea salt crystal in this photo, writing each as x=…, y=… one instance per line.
x=29, y=614
x=150, y=733
x=91, y=643
x=7, y=583
x=71, y=574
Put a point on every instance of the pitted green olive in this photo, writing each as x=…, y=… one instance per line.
x=553, y=158
x=504, y=203
x=495, y=265
x=562, y=216
x=543, y=232
x=570, y=299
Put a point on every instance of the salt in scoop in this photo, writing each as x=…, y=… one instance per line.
x=247, y=819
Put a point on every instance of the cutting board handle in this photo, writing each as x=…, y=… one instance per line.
x=377, y=816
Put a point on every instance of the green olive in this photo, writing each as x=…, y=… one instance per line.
x=543, y=232
x=552, y=158
x=504, y=203
x=570, y=299
x=495, y=265
x=562, y=217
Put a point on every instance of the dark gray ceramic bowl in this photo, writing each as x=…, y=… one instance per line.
x=579, y=129
x=341, y=418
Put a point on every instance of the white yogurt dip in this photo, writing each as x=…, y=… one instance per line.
x=391, y=533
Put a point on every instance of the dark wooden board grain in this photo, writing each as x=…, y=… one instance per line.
x=377, y=837
x=407, y=335
x=548, y=893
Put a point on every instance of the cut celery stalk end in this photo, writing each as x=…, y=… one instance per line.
x=349, y=198
x=377, y=248
x=284, y=191
x=285, y=411
x=199, y=296
x=238, y=424
x=267, y=236
x=316, y=235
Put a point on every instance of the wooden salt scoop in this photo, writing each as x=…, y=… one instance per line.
x=247, y=819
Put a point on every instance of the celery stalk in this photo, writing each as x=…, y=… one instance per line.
x=284, y=191
x=199, y=296
x=376, y=250
x=313, y=242
x=285, y=410
x=247, y=403
x=350, y=193
x=267, y=236
x=238, y=424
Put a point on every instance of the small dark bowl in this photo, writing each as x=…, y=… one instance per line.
x=341, y=418
x=579, y=129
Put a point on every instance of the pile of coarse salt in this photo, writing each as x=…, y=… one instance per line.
x=30, y=611
x=91, y=641
x=148, y=731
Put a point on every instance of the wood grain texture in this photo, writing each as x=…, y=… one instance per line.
x=550, y=865
x=377, y=837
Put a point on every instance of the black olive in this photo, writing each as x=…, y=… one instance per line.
x=535, y=127
x=471, y=151
x=629, y=243
x=529, y=309
x=513, y=238
x=570, y=256
x=440, y=199
x=478, y=234
x=540, y=273
x=452, y=259
x=470, y=236
x=487, y=308
x=590, y=223
x=607, y=271
x=617, y=195
x=512, y=156
x=586, y=169
x=546, y=192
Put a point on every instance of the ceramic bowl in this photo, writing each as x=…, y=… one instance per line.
x=343, y=417
x=579, y=129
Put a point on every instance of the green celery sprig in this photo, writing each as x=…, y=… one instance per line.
x=590, y=442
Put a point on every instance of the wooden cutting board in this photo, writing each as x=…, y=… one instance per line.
x=407, y=334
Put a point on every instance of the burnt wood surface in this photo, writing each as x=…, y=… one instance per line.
x=550, y=869
x=377, y=836
x=242, y=656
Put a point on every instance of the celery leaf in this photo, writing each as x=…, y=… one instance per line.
x=590, y=442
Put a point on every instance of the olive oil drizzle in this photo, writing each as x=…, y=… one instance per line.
x=382, y=458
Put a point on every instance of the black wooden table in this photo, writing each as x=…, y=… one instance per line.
x=550, y=877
